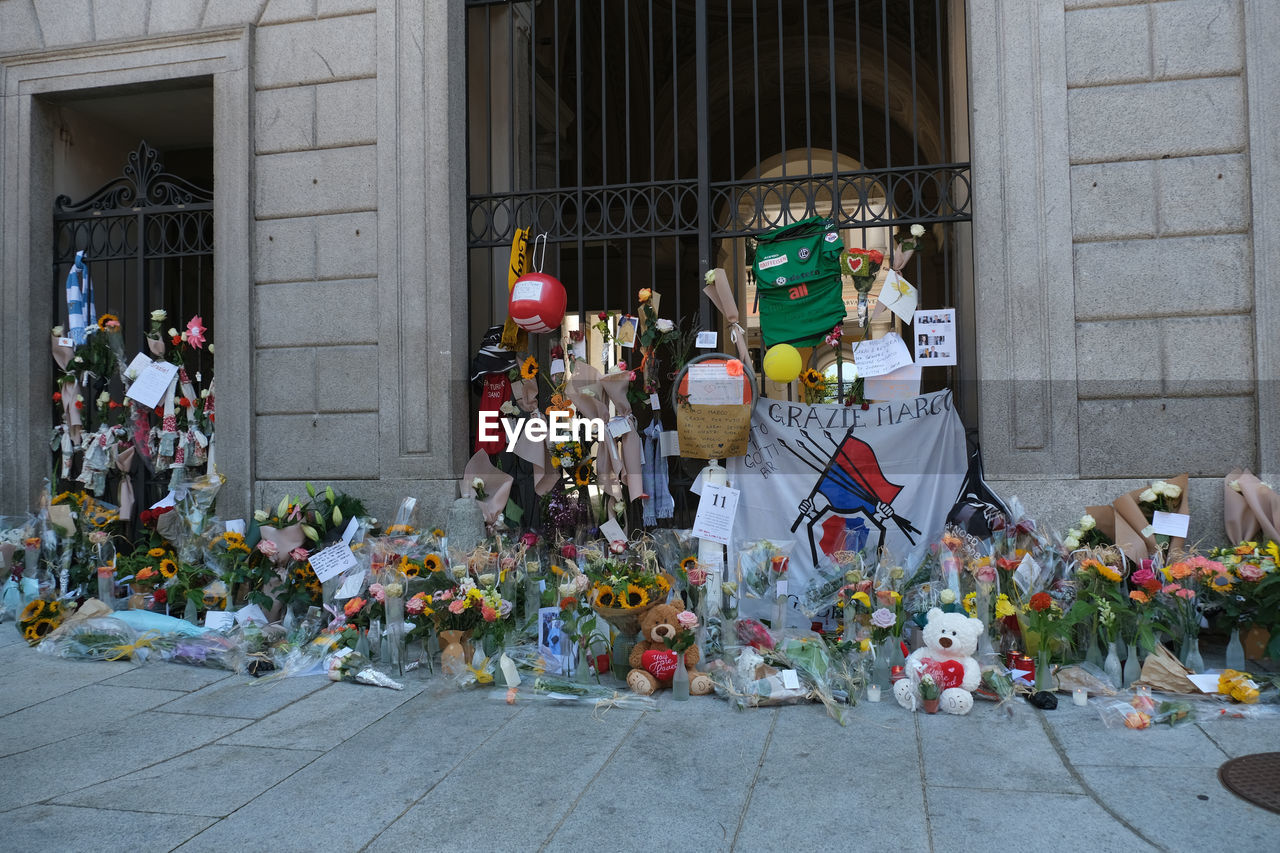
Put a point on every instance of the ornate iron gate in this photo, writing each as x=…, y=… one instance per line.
x=148, y=242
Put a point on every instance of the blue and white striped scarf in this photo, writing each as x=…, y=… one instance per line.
x=82, y=317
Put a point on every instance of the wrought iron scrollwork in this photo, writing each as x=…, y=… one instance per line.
x=143, y=184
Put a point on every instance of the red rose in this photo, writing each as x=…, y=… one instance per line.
x=161, y=596
x=1041, y=601
x=569, y=551
x=80, y=405
x=57, y=396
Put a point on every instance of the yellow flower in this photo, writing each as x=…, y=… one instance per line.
x=811, y=379
x=36, y=631
x=644, y=295
x=1111, y=573
x=895, y=595
x=156, y=552
x=636, y=596
x=432, y=563
x=582, y=474
x=605, y=596
x=688, y=563
x=529, y=370
x=1004, y=607
x=33, y=611
x=864, y=645
x=1273, y=549
x=410, y=568
x=437, y=532
x=107, y=318
x=168, y=568
x=862, y=598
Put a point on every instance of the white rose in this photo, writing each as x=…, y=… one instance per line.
x=1148, y=531
x=665, y=325
x=917, y=230
x=57, y=331
x=947, y=596
x=204, y=394
x=566, y=590
x=210, y=349
x=1147, y=496
x=104, y=398
x=1071, y=543
x=159, y=315
x=260, y=516
x=1159, y=487
x=1172, y=492
x=79, y=360
x=1087, y=522
x=1235, y=484
x=477, y=483
x=173, y=333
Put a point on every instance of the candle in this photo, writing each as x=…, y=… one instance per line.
x=873, y=692
x=1080, y=696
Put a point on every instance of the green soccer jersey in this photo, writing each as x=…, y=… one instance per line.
x=797, y=270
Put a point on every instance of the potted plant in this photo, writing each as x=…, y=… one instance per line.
x=929, y=694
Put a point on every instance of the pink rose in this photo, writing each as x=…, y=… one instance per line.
x=300, y=554
x=687, y=619
x=1186, y=593
x=378, y=591
x=986, y=574
x=617, y=546
x=569, y=551
x=1250, y=572
x=1143, y=575
x=883, y=618
x=488, y=613
x=697, y=576
x=529, y=539
x=415, y=605
x=581, y=582
x=444, y=595
x=268, y=547
x=457, y=606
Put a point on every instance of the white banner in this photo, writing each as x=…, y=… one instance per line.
x=831, y=477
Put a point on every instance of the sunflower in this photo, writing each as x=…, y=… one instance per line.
x=156, y=552
x=688, y=563
x=33, y=611
x=1221, y=583
x=582, y=474
x=529, y=370
x=107, y=318
x=432, y=563
x=605, y=596
x=36, y=631
x=168, y=568
x=637, y=596
x=1111, y=573
x=410, y=568
x=811, y=379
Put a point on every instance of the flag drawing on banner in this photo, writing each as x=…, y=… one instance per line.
x=831, y=477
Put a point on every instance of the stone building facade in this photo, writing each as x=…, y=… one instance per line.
x=1125, y=166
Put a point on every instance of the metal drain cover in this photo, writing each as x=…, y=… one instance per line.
x=1255, y=778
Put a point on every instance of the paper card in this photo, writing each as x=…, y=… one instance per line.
x=935, y=332
x=716, y=508
x=880, y=356
x=557, y=366
x=706, y=340
x=251, y=613
x=713, y=432
x=168, y=500
x=235, y=525
x=613, y=531
x=66, y=342
x=900, y=384
x=60, y=515
x=352, y=527
x=219, y=620
x=790, y=679
x=152, y=383
x=554, y=643
x=782, y=588
x=1170, y=523
x=711, y=385
x=899, y=296
x=669, y=443
x=352, y=585
x=332, y=561
x=1026, y=573
x=1205, y=682
x=619, y=426
x=134, y=370
x=655, y=402
x=626, y=334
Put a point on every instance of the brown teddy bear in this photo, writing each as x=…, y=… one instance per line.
x=653, y=664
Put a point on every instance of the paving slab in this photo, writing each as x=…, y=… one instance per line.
x=542, y=759
x=1085, y=740
x=86, y=709
x=960, y=822
x=870, y=769
x=213, y=781
x=708, y=759
x=89, y=755
x=60, y=828
x=30, y=682
x=325, y=718
x=1016, y=754
x=246, y=697
x=387, y=768
x=168, y=676
x=1243, y=737
x=1185, y=809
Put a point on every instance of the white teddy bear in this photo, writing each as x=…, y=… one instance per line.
x=950, y=639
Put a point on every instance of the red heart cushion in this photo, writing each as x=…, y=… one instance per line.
x=660, y=663
x=947, y=673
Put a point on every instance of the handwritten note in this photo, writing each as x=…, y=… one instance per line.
x=899, y=296
x=152, y=383
x=332, y=561
x=1171, y=523
x=880, y=356
x=711, y=385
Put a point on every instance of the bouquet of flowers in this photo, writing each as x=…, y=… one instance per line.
x=624, y=582
x=347, y=665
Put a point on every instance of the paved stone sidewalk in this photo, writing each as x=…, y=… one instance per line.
x=115, y=756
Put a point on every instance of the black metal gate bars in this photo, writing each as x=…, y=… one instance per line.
x=147, y=236
x=646, y=138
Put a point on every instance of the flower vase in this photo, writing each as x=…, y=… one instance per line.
x=890, y=662
x=582, y=670
x=453, y=654
x=107, y=586
x=1255, y=642
x=623, y=643
x=375, y=640
x=532, y=598
x=191, y=612
x=680, y=681
x=1191, y=658
x=362, y=643
x=1044, y=674
x=1122, y=649
x=1132, y=665
x=1093, y=654
x=930, y=705
x=394, y=646
x=1235, y=651
x=1112, y=666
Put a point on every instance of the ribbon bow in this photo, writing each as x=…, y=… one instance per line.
x=721, y=295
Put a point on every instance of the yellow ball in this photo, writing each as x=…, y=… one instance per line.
x=782, y=363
